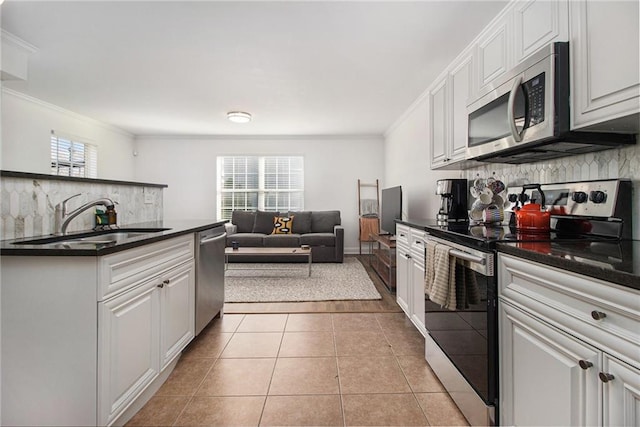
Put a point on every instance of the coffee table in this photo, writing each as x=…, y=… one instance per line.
x=246, y=251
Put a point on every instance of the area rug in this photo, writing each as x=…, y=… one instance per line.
x=289, y=282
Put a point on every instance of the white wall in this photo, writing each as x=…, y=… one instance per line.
x=332, y=165
x=407, y=152
x=26, y=133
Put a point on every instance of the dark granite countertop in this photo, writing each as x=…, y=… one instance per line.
x=614, y=262
x=172, y=228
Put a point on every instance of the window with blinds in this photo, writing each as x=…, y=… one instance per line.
x=73, y=158
x=267, y=183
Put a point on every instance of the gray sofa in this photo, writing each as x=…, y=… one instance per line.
x=321, y=230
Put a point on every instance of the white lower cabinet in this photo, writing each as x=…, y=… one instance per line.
x=569, y=348
x=410, y=251
x=621, y=393
x=177, y=311
x=140, y=332
x=542, y=381
x=83, y=337
x=129, y=350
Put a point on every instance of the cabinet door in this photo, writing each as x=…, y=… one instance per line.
x=402, y=278
x=621, y=394
x=439, y=123
x=538, y=23
x=493, y=53
x=541, y=378
x=461, y=82
x=177, y=311
x=605, y=82
x=417, y=297
x=128, y=343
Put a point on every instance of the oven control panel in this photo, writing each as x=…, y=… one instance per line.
x=605, y=198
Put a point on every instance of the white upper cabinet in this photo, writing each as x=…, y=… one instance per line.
x=538, y=23
x=448, y=101
x=438, y=123
x=493, y=51
x=461, y=89
x=605, y=71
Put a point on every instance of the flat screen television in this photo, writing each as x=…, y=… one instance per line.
x=391, y=201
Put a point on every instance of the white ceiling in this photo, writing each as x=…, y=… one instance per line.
x=300, y=67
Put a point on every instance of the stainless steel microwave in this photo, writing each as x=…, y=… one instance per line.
x=526, y=117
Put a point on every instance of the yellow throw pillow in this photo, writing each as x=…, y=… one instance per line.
x=282, y=224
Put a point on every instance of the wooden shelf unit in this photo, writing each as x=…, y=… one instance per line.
x=382, y=258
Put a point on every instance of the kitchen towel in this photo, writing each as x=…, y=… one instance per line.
x=369, y=207
x=443, y=288
x=467, y=292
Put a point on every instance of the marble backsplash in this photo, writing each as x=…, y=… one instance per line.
x=27, y=206
x=609, y=164
x=623, y=163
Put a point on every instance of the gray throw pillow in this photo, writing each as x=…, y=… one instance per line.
x=324, y=221
x=264, y=222
x=301, y=222
x=243, y=220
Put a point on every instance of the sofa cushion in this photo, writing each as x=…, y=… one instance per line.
x=264, y=222
x=248, y=240
x=282, y=241
x=243, y=220
x=318, y=239
x=283, y=224
x=324, y=221
x=302, y=222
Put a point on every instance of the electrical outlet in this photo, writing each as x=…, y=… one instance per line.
x=148, y=197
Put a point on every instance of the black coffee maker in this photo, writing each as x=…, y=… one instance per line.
x=453, y=201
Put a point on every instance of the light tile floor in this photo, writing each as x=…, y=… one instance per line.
x=328, y=369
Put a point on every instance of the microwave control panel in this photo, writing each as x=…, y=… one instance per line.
x=534, y=89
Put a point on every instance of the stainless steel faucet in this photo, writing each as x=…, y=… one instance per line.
x=62, y=218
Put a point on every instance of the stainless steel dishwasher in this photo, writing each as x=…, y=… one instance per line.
x=209, y=275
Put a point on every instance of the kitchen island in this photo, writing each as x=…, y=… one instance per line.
x=90, y=331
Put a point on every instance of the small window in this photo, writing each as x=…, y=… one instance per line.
x=269, y=183
x=70, y=157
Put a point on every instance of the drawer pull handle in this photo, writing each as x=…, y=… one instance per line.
x=598, y=315
x=584, y=364
x=605, y=377
x=161, y=285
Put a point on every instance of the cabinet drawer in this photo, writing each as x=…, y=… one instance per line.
x=123, y=270
x=571, y=301
x=402, y=235
x=418, y=245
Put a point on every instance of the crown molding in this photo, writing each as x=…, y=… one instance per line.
x=17, y=41
x=53, y=107
x=219, y=137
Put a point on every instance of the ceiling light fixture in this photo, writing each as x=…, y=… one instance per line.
x=239, y=116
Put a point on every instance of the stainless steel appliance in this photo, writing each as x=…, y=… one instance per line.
x=526, y=116
x=461, y=345
x=453, y=201
x=590, y=222
x=209, y=275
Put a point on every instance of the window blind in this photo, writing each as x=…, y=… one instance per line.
x=269, y=183
x=73, y=158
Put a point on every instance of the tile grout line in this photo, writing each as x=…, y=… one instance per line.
x=335, y=352
x=275, y=363
x=217, y=359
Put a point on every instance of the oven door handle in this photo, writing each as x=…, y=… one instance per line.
x=467, y=257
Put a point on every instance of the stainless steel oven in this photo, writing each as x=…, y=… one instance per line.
x=462, y=344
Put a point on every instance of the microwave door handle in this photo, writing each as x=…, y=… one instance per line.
x=510, y=113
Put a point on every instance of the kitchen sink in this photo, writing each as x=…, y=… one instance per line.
x=93, y=238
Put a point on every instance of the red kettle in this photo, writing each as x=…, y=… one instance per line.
x=532, y=218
